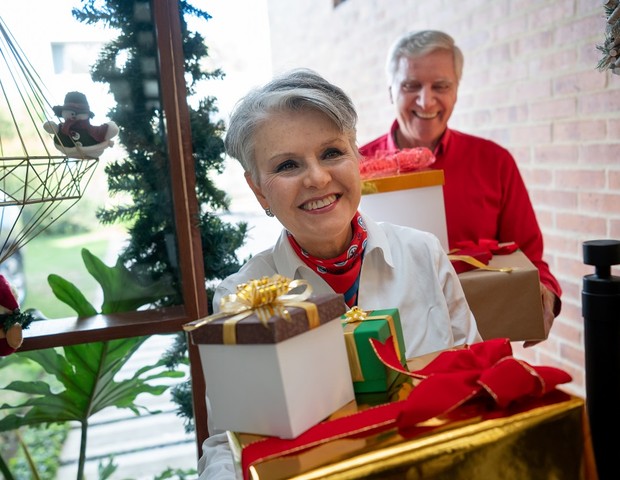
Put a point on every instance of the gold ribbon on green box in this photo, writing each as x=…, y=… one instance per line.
x=265, y=297
x=352, y=320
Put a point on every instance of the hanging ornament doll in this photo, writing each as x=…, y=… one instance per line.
x=74, y=135
x=12, y=320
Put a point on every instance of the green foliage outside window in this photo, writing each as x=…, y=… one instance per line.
x=129, y=65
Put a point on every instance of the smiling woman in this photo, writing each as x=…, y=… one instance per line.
x=295, y=138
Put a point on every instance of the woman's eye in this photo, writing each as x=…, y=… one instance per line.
x=286, y=166
x=332, y=153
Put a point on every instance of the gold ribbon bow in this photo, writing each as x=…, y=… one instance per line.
x=355, y=314
x=265, y=297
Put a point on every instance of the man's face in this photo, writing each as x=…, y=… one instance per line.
x=424, y=93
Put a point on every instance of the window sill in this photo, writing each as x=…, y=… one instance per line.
x=72, y=331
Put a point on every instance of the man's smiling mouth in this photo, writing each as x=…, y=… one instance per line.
x=425, y=116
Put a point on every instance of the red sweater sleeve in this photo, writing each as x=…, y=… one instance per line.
x=486, y=197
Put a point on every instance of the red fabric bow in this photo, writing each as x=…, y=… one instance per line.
x=485, y=368
x=490, y=245
x=483, y=251
x=460, y=266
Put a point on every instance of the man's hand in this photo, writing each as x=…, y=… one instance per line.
x=548, y=302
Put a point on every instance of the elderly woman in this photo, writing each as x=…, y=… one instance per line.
x=296, y=140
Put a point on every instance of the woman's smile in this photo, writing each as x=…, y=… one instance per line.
x=319, y=204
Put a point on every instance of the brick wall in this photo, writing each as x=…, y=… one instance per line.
x=530, y=83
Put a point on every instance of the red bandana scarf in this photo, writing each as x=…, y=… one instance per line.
x=343, y=272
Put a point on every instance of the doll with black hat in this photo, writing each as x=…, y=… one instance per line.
x=74, y=135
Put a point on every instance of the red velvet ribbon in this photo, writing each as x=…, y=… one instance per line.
x=481, y=370
x=490, y=245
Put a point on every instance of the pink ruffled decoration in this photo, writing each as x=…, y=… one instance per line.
x=385, y=164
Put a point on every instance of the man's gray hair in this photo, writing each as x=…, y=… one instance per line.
x=415, y=44
x=293, y=91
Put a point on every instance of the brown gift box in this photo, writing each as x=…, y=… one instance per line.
x=547, y=437
x=279, y=378
x=250, y=330
x=506, y=304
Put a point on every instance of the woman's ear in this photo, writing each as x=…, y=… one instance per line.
x=256, y=190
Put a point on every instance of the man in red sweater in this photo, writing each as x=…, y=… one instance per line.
x=484, y=194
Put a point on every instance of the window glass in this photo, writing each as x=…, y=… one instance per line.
x=61, y=133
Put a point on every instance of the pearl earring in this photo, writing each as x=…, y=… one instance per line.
x=269, y=212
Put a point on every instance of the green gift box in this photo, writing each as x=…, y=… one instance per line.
x=369, y=374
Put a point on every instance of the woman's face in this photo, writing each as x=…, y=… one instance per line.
x=308, y=176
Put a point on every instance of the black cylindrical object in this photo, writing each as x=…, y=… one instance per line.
x=600, y=299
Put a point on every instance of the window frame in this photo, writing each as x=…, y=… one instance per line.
x=70, y=331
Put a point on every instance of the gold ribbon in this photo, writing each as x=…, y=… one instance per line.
x=352, y=319
x=265, y=297
x=474, y=262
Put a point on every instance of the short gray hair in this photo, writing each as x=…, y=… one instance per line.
x=414, y=44
x=294, y=90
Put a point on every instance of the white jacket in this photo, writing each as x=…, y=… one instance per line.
x=402, y=268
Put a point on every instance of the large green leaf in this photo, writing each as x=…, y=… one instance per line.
x=86, y=372
x=68, y=293
x=85, y=375
x=122, y=290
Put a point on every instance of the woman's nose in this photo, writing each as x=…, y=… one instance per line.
x=317, y=176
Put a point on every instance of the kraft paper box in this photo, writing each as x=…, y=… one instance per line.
x=506, y=304
x=545, y=437
x=412, y=199
x=277, y=380
x=368, y=373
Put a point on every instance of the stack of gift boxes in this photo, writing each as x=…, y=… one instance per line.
x=306, y=387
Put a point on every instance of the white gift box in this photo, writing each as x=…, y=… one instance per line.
x=412, y=199
x=281, y=388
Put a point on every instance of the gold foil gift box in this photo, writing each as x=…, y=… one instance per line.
x=274, y=361
x=540, y=433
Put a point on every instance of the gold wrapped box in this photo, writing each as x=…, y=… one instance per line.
x=506, y=304
x=545, y=437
